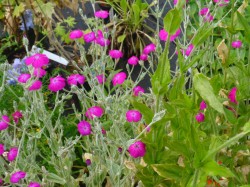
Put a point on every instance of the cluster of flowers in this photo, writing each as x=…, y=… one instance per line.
x=4, y=123
x=97, y=37
x=19, y=175
x=200, y=117
x=137, y=149
x=205, y=13
x=163, y=35
x=13, y=152
x=58, y=83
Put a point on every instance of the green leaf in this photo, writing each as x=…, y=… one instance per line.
x=172, y=21
x=246, y=26
x=177, y=88
x=47, y=9
x=213, y=169
x=124, y=6
x=233, y=140
x=19, y=10
x=203, y=87
x=121, y=38
x=1, y=14
x=55, y=178
x=178, y=147
x=246, y=127
x=180, y=4
x=136, y=14
x=161, y=77
x=70, y=21
x=147, y=113
x=60, y=30
x=204, y=32
x=196, y=145
x=194, y=60
x=138, y=2
x=230, y=116
x=168, y=171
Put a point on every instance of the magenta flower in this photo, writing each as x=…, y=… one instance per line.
x=84, y=128
x=232, y=95
x=57, y=83
x=175, y=35
x=104, y=132
x=39, y=72
x=36, y=85
x=76, y=78
x=102, y=41
x=133, y=116
x=203, y=105
x=37, y=61
x=163, y=35
x=137, y=91
x=119, y=149
x=236, y=44
x=23, y=78
x=4, y=123
x=17, y=176
x=143, y=57
x=99, y=34
x=204, y=11
x=147, y=128
x=149, y=48
x=16, y=116
x=89, y=37
x=103, y=14
x=75, y=34
x=1, y=149
x=34, y=184
x=137, y=149
x=119, y=78
x=12, y=154
x=1, y=181
x=94, y=111
x=200, y=117
x=189, y=50
x=101, y=78
x=88, y=162
x=233, y=110
x=115, y=54
x=208, y=17
x=133, y=60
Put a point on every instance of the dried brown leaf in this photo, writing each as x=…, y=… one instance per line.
x=223, y=51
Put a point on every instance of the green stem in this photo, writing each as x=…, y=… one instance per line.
x=224, y=145
x=20, y=145
x=214, y=126
x=230, y=41
x=196, y=177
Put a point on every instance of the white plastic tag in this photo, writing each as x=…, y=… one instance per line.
x=50, y=55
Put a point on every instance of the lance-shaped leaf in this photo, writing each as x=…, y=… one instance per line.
x=172, y=21
x=204, y=88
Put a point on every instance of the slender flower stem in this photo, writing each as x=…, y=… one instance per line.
x=226, y=144
x=196, y=177
x=19, y=147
